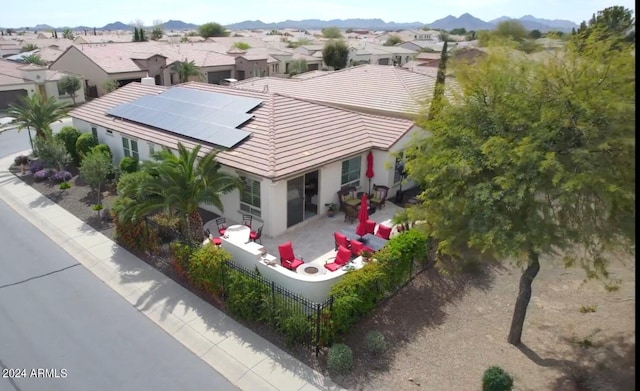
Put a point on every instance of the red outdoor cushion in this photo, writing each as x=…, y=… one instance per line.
x=222, y=231
x=370, y=226
x=384, y=232
x=217, y=241
x=287, y=258
x=341, y=240
x=343, y=256
x=332, y=266
x=356, y=247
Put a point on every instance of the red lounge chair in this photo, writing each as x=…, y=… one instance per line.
x=384, y=232
x=341, y=240
x=256, y=235
x=358, y=247
x=342, y=258
x=370, y=227
x=287, y=258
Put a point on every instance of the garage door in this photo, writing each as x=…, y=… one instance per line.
x=217, y=77
x=10, y=98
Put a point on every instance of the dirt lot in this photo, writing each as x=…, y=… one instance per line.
x=445, y=331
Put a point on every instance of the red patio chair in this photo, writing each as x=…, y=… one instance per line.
x=221, y=222
x=384, y=232
x=287, y=257
x=256, y=236
x=342, y=258
x=370, y=227
x=341, y=240
x=357, y=247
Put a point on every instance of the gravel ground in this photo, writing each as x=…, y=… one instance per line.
x=444, y=331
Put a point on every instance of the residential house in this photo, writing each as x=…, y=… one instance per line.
x=127, y=62
x=18, y=80
x=293, y=154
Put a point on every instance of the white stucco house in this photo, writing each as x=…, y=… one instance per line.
x=18, y=80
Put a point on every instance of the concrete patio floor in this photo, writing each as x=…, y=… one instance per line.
x=313, y=238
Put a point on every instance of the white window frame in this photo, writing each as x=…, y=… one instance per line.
x=352, y=179
x=248, y=197
x=128, y=148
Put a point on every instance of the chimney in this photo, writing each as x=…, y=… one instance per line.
x=148, y=81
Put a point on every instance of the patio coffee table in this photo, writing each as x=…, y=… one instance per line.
x=369, y=240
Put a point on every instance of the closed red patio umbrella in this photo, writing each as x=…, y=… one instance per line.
x=363, y=216
x=370, y=172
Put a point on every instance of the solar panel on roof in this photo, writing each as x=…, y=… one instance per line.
x=206, y=116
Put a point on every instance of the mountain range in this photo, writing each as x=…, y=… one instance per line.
x=466, y=21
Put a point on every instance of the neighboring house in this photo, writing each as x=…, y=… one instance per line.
x=128, y=62
x=294, y=156
x=376, y=89
x=18, y=80
x=9, y=47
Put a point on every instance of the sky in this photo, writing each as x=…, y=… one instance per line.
x=71, y=13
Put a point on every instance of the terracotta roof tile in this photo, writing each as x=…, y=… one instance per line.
x=288, y=135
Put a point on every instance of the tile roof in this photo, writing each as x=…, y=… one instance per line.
x=382, y=89
x=288, y=135
x=11, y=73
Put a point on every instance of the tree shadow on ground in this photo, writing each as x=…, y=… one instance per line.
x=603, y=364
x=417, y=306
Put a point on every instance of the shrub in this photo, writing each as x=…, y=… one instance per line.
x=52, y=152
x=496, y=379
x=205, y=268
x=61, y=176
x=69, y=136
x=36, y=166
x=103, y=148
x=246, y=296
x=180, y=254
x=133, y=234
x=297, y=328
x=20, y=160
x=129, y=165
x=65, y=186
x=340, y=358
x=84, y=144
x=375, y=342
x=587, y=308
x=41, y=175
x=168, y=227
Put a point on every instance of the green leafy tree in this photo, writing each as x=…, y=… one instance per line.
x=458, y=31
x=393, y=40
x=158, y=31
x=53, y=152
x=535, y=34
x=38, y=113
x=67, y=34
x=241, y=45
x=335, y=54
x=95, y=169
x=511, y=29
x=615, y=22
x=28, y=47
x=84, y=144
x=298, y=66
x=34, y=59
x=70, y=85
x=212, y=30
x=111, y=85
x=187, y=69
x=69, y=136
x=520, y=165
x=331, y=33
x=178, y=185
x=438, y=93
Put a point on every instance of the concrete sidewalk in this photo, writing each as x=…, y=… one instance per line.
x=247, y=360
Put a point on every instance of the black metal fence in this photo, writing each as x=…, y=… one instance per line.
x=300, y=319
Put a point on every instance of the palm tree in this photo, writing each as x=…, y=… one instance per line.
x=178, y=185
x=39, y=113
x=186, y=69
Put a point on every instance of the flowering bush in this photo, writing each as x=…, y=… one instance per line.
x=61, y=176
x=41, y=175
x=36, y=166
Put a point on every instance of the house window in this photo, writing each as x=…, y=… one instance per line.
x=94, y=132
x=351, y=171
x=130, y=148
x=152, y=149
x=250, y=197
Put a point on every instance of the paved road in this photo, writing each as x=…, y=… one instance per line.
x=55, y=315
